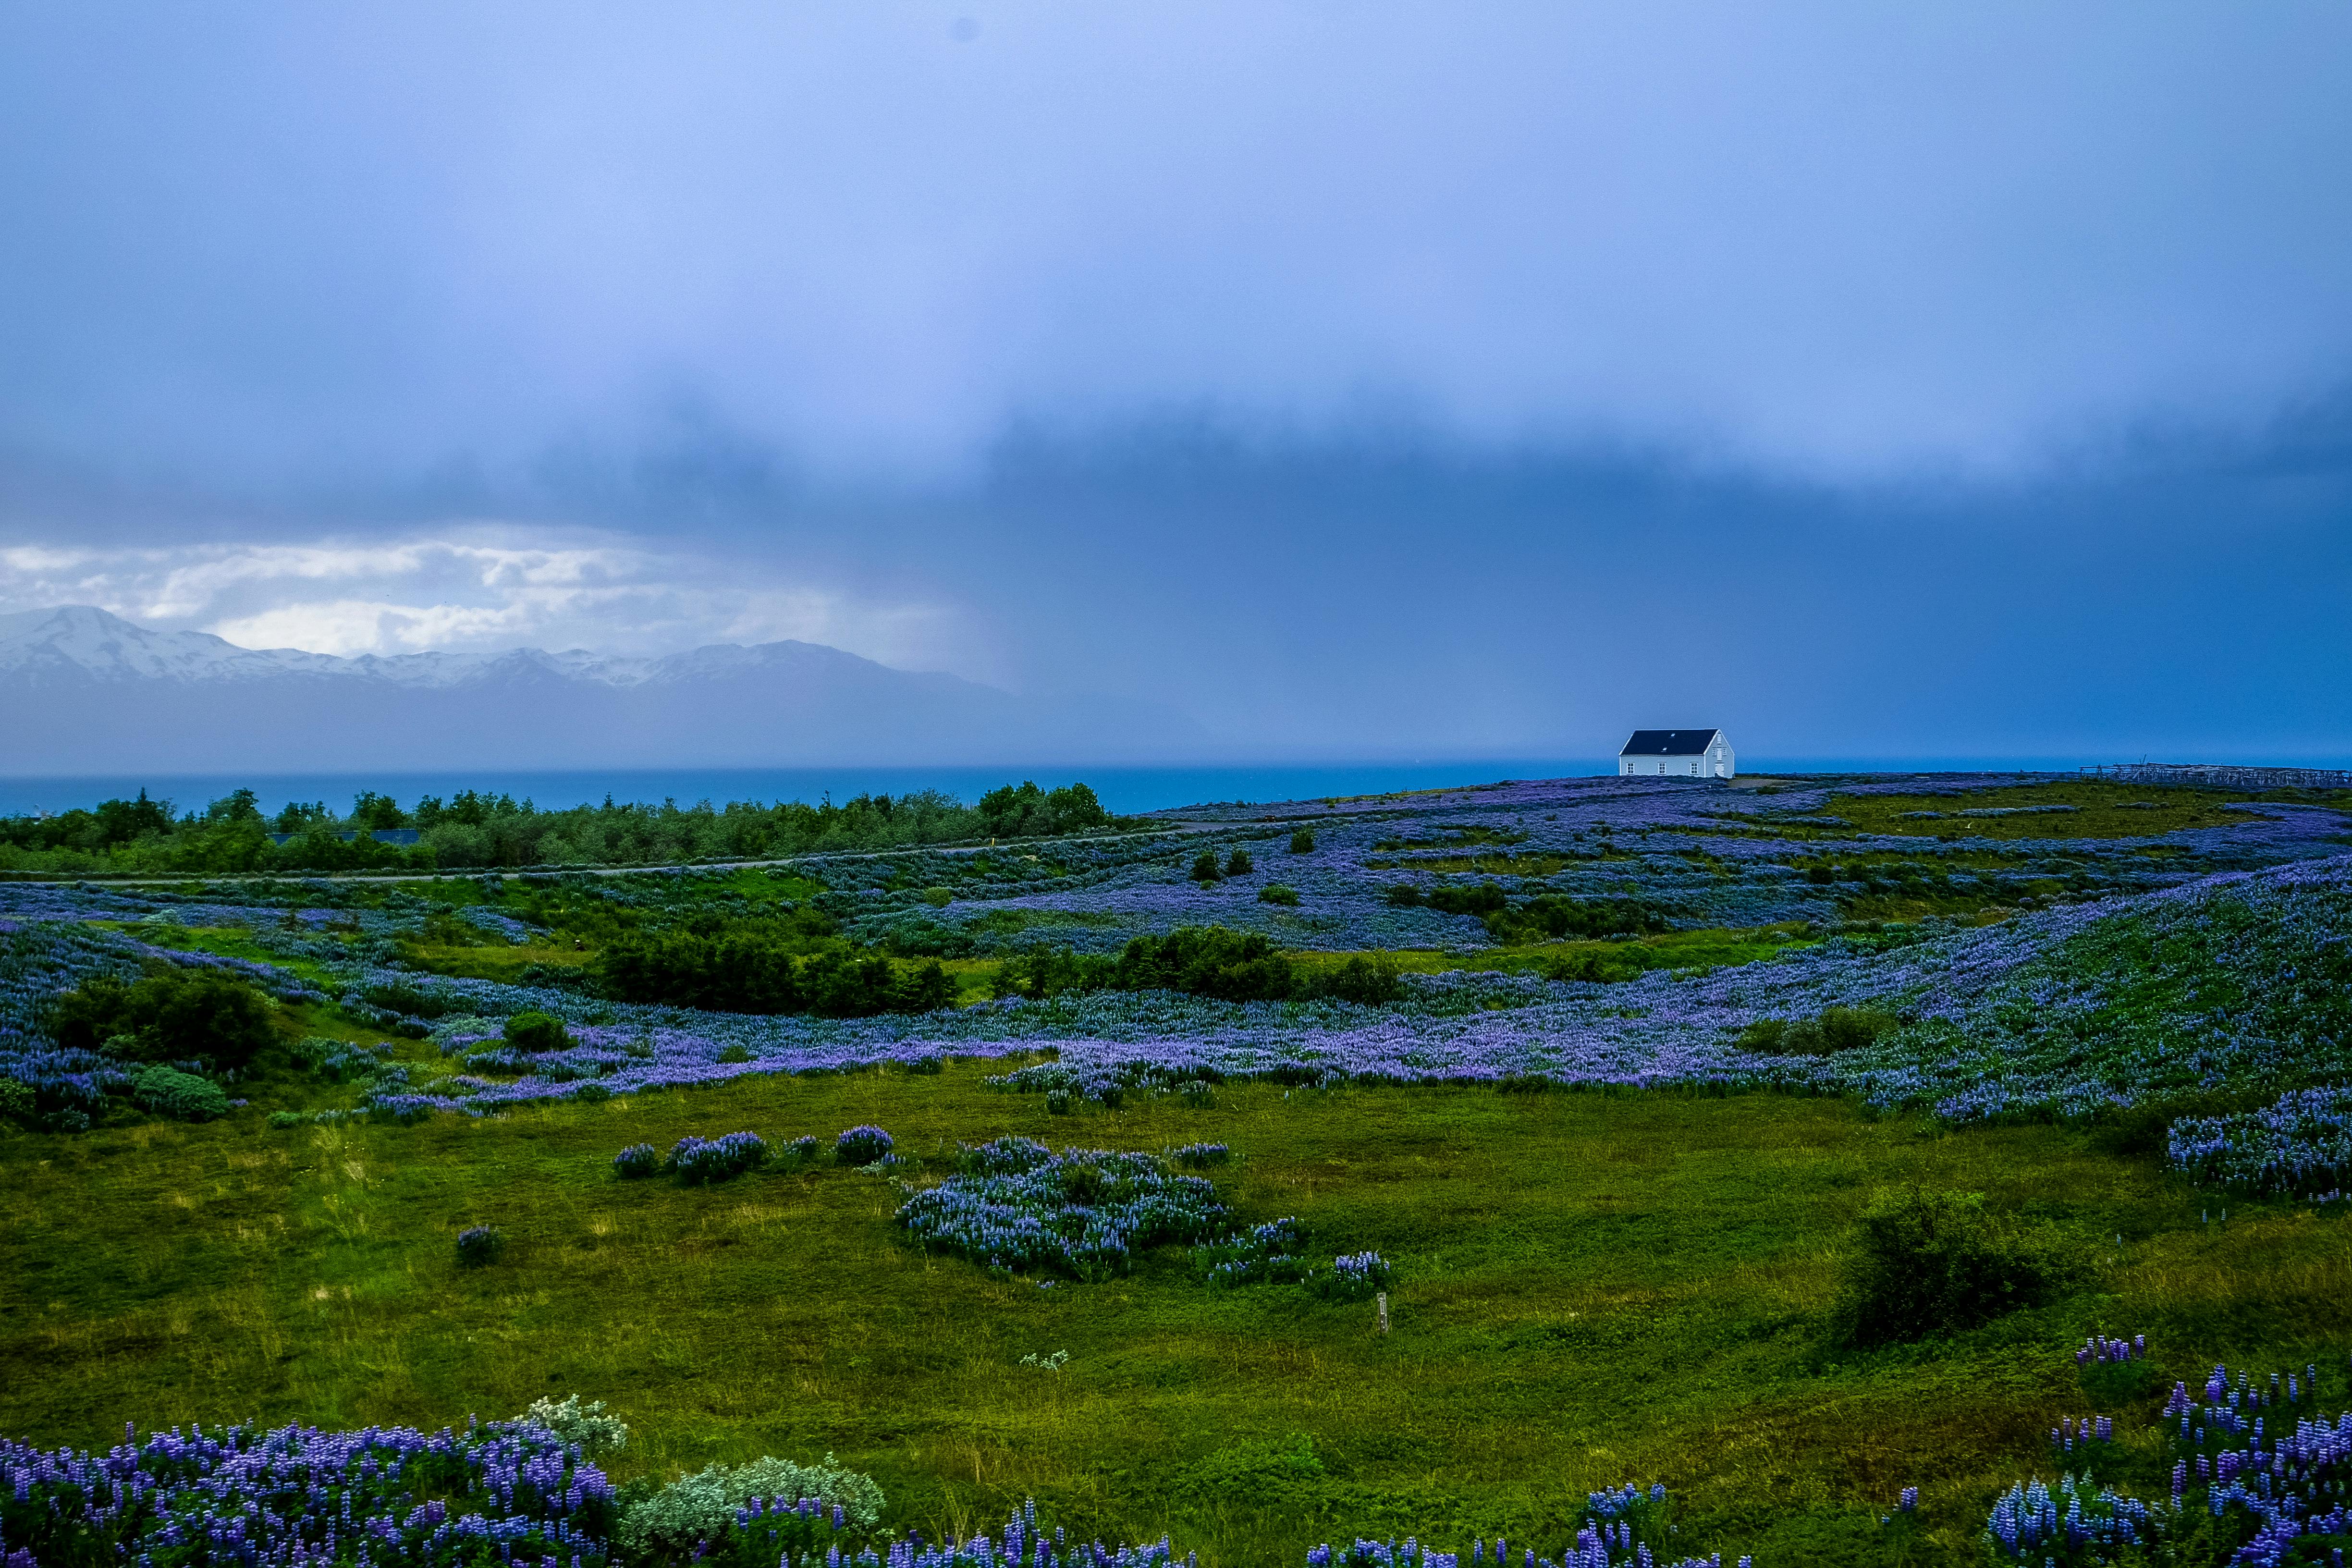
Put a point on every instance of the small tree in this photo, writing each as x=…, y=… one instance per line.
x=537, y=1031
x=1205, y=868
x=1937, y=1263
x=1238, y=864
x=1302, y=841
x=173, y=1017
x=371, y=811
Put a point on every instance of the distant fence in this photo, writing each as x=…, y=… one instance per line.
x=2224, y=775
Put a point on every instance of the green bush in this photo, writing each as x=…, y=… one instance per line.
x=738, y=970
x=537, y=1031
x=1937, y=1263
x=1205, y=868
x=168, y=1092
x=1026, y=811
x=1204, y=960
x=725, y=972
x=1238, y=864
x=669, y=1526
x=1370, y=982
x=1609, y=965
x=1551, y=917
x=176, y=1015
x=2131, y=1131
x=1275, y=893
x=1837, y=1029
x=586, y=1424
x=16, y=1099
x=1302, y=841
x=1485, y=898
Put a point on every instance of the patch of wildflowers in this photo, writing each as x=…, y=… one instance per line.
x=861, y=1145
x=699, y=1161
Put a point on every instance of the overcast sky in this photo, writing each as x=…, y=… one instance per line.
x=1358, y=377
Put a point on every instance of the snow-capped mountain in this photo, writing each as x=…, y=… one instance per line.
x=82, y=690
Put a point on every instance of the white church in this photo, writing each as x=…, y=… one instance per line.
x=1677, y=753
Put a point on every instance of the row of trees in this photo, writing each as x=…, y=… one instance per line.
x=480, y=829
x=747, y=971
x=1206, y=961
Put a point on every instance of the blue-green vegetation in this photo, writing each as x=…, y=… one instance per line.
x=1889, y=1094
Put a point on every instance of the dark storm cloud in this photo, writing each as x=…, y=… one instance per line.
x=1358, y=376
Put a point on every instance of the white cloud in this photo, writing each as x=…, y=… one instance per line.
x=484, y=587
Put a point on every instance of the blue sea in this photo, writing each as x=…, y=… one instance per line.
x=1122, y=789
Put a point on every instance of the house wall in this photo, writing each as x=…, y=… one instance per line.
x=1717, y=762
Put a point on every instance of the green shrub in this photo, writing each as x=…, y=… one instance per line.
x=168, y=1092
x=1937, y=1263
x=537, y=1031
x=1370, y=981
x=1551, y=917
x=1205, y=868
x=2131, y=1131
x=177, y=1015
x=1275, y=893
x=1302, y=841
x=1027, y=811
x=669, y=1526
x=1404, y=895
x=839, y=985
x=1485, y=898
x=16, y=1099
x=586, y=1424
x=1837, y=1029
x=1238, y=864
x=726, y=971
x=1609, y=965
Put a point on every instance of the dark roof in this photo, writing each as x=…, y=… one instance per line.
x=381, y=835
x=1668, y=742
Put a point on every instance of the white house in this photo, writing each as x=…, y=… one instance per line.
x=1677, y=753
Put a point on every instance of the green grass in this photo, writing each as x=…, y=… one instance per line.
x=1707, y=949
x=502, y=963
x=1591, y=1288
x=2101, y=811
x=1533, y=864
x=228, y=942
x=1003, y=923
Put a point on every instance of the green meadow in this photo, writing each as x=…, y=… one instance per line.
x=1591, y=1288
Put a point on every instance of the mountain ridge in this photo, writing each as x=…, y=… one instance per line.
x=82, y=689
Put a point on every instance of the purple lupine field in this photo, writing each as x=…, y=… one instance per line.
x=2021, y=1014
x=1933, y=966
